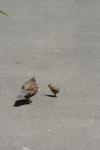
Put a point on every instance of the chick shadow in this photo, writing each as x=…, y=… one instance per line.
x=49, y=95
x=21, y=102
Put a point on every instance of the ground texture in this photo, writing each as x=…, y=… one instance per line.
x=59, y=42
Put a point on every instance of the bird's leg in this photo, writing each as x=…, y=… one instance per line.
x=55, y=95
x=28, y=100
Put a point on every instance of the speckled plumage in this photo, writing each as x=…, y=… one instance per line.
x=30, y=88
x=53, y=89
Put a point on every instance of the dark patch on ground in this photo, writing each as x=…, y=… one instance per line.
x=49, y=95
x=21, y=102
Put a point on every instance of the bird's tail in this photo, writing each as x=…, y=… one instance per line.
x=22, y=94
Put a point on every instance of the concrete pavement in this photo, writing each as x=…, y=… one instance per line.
x=59, y=42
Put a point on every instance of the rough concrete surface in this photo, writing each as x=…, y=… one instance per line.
x=59, y=42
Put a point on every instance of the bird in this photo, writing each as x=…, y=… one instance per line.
x=29, y=89
x=53, y=89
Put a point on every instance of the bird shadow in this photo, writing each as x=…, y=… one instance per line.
x=49, y=95
x=21, y=102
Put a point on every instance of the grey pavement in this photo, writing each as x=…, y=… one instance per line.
x=59, y=42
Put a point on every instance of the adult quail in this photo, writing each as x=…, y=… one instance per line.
x=54, y=89
x=29, y=89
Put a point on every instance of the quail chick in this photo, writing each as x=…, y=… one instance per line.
x=54, y=89
x=29, y=89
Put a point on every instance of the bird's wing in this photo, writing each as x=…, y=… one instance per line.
x=27, y=85
x=55, y=89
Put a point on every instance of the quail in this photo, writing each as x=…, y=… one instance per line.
x=29, y=89
x=53, y=89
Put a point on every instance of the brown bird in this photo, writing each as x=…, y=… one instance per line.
x=29, y=89
x=54, y=89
